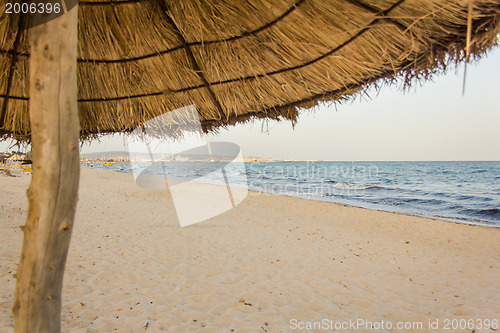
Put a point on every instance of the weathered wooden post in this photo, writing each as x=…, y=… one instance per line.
x=54, y=187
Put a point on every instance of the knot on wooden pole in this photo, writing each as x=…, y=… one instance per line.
x=64, y=226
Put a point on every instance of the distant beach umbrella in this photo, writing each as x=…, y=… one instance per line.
x=110, y=66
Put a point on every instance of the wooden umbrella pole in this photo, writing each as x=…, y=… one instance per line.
x=53, y=191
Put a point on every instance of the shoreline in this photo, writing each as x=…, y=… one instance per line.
x=319, y=199
x=429, y=217
x=269, y=260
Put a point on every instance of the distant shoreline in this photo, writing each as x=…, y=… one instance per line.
x=245, y=160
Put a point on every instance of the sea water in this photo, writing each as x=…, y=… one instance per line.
x=467, y=192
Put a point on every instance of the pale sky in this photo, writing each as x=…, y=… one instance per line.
x=430, y=122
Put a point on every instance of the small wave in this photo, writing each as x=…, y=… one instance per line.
x=486, y=213
x=479, y=171
x=494, y=212
x=423, y=201
x=352, y=187
x=473, y=197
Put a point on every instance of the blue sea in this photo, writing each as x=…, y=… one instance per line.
x=465, y=192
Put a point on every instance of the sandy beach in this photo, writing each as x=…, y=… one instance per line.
x=267, y=265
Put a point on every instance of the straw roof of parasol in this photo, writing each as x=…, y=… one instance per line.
x=237, y=60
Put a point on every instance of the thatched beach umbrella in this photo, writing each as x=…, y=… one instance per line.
x=109, y=66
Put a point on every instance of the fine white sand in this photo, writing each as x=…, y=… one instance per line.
x=272, y=259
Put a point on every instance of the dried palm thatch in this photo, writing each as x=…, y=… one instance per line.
x=241, y=59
